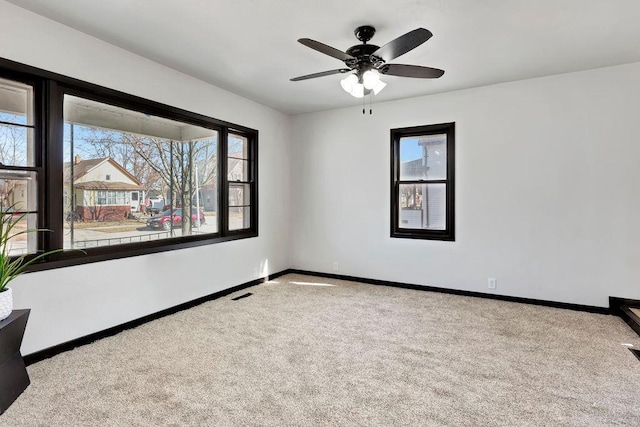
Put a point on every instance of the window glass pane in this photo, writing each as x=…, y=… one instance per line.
x=238, y=147
x=238, y=170
x=22, y=243
x=205, y=181
x=423, y=157
x=239, y=218
x=16, y=145
x=18, y=190
x=239, y=195
x=16, y=103
x=18, y=193
x=422, y=206
x=128, y=175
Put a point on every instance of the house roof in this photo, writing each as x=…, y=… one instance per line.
x=83, y=167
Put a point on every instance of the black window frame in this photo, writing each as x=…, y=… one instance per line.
x=252, y=170
x=448, y=234
x=49, y=91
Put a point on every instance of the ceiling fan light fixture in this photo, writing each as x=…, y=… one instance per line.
x=378, y=87
x=366, y=62
x=370, y=79
x=349, y=82
x=352, y=86
x=358, y=90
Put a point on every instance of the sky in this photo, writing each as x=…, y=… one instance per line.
x=409, y=149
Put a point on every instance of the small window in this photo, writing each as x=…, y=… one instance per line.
x=19, y=171
x=240, y=182
x=422, y=175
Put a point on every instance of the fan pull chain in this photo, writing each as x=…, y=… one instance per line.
x=370, y=95
x=363, y=101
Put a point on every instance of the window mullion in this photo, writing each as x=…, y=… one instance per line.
x=223, y=194
x=423, y=181
x=52, y=153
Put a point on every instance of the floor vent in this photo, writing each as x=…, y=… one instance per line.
x=248, y=294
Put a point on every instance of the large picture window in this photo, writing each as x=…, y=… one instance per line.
x=422, y=182
x=131, y=176
x=122, y=175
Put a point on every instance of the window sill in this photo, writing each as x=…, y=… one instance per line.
x=447, y=236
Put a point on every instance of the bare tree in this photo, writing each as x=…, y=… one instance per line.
x=122, y=148
x=166, y=166
x=411, y=196
x=177, y=163
x=160, y=164
x=13, y=145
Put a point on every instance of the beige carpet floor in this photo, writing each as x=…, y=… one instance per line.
x=314, y=352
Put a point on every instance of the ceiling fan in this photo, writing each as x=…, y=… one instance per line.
x=368, y=61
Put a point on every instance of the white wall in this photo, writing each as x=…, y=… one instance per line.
x=72, y=302
x=547, y=189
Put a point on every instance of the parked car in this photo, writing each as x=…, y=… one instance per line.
x=163, y=220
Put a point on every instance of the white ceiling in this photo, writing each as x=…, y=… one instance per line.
x=249, y=46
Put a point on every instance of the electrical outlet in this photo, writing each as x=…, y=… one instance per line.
x=336, y=267
x=492, y=282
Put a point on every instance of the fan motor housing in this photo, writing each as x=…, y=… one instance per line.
x=362, y=50
x=364, y=60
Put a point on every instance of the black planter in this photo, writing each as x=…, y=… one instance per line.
x=13, y=373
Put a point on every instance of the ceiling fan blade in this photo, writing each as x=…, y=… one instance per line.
x=327, y=50
x=416, y=71
x=322, y=74
x=403, y=44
